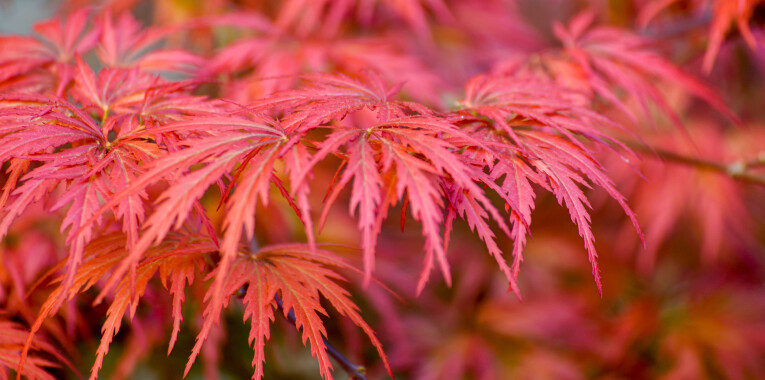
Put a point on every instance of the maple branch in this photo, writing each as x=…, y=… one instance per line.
x=355, y=371
x=759, y=161
x=736, y=170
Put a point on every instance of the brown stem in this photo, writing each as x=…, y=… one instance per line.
x=736, y=170
x=759, y=161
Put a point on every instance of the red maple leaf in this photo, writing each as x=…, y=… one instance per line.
x=603, y=61
x=534, y=125
x=55, y=48
x=298, y=274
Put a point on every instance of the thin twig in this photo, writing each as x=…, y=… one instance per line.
x=736, y=170
x=756, y=162
x=355, y=371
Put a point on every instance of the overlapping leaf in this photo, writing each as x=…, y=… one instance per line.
x=89, y=160
x=404, y=152
x=536, y=127
x=604, y=61
x=250, y=144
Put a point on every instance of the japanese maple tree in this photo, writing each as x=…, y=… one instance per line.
x=306, y=166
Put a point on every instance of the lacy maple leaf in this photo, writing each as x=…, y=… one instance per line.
x=534, y=125
x=176, y=260
x=297, y=275
x=58, y=42
x=79, y=153
x=604, y=61
x=404, y=150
